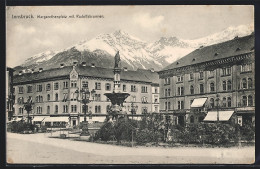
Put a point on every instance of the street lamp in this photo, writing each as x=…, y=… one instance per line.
x=85, y=99
x=133, y=108
x=217, y=100
x=28, y=107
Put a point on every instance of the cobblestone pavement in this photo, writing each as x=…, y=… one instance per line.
x=39, y=148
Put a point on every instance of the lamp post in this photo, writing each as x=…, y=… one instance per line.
x=217, y=100
x=133, y=108
x=85, y=99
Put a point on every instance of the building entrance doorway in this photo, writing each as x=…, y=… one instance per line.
x=181, y=120
x=74, y=122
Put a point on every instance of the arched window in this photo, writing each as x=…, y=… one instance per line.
x=56, y=97
x=212, y=87
x=224, y=85
x=169, y=105
x=191, y=119
x=250, y=100
x=229, y=85
x=250, y=84
x=244, y=83
x=191, y=89
x=224, y=102
x=229, y=102
x=244, y=101
x=48, y=97
x=211, y=102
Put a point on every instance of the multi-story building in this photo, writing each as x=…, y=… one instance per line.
x=211, y=82
x=9, y=94
x=56, y=98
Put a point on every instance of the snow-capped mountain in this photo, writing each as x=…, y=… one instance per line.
x=134, y=52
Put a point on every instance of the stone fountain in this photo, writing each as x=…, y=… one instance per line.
x=117, y=98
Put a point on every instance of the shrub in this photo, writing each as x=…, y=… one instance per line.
x=146, y=136
x=247, y=132
x=20, y=126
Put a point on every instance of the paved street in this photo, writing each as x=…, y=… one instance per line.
x=38, y=148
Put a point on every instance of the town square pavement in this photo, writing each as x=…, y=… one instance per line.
x=40, y=149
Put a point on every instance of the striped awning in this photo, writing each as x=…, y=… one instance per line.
x=223, y=115
x=198, y=102
x=98, y=118
x=39, y=118
x=56, y=119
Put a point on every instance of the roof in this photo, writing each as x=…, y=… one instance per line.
x=236, y=46
x=97, y=72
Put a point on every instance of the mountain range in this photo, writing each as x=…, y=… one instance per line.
x=134, y=53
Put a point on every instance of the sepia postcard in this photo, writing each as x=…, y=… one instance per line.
x=143, y=84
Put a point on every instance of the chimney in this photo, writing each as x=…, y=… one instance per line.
x=40, y=69
x=61, y=65
x=84, y=63
x=92, y=64
x=236, y=37
x=152, y=69
x=125, y=69
x=20, y=72
x=32, y=71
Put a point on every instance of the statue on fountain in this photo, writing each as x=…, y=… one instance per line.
x=117, y=60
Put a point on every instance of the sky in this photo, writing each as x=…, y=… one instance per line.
x=28, y=37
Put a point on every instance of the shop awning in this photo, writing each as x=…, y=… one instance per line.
x=223, y=115
x=39, y=118
x=17, y=119
x=198, y=102
x=99, y=119
x=56, y=119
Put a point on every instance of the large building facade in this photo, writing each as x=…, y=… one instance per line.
x=219, y=78
x=9, y=93
x=56, y=97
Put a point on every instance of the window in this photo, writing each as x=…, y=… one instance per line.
x=48, y=109
x=180, y=105
x=229, y=71
x=156, y=90
x=83, y=108
x=20, y=100
x=155, y=99
x=167, y=81
x=191, y=76
x=98, y=86
x=84, y=84
x=212, y=87
x=74, y=108
x=29, y=89
x=108, y=108
x=56, y=97
x=169, y=92
x=211, y=73
x=250, y=84
x=144, y=99
x=224, y=72
x=211, y=102
x=20, y=110
x=56, y=86
x=250, y=100
x=165, y=92
x=169, y=105
x=191, y=119
x=144, y=89
x=201, y=88
x=108, y=86
x=38, y=88
x=229, y=85
x=48, y=87
x=65, y=85
x=97, y=97
x=244, y=101
x=179, y=78
x=39, y=110
x=124, y=88
x=201, y=75
x=65, y=108
x=224, y=102
x=20, y=90
x=48, y=97
x=97, y=109
x=229, y=101
x=133, y=88
x=133, y=98
x=166, y=106
x=144, y=110
x=246, y=67
x=73, y=84
x=56, y=108
x=180, y=91
x=224, y=85
x=244, y=83
x=191, y=89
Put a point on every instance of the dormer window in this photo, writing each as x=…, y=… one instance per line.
x=193, y=59
x=238, y=49
x=216, y=54
x=177, y=63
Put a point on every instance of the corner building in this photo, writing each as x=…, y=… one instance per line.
x=213, y=79
x=55, y=99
